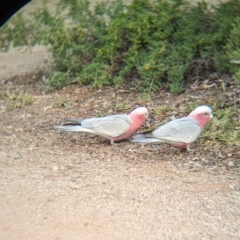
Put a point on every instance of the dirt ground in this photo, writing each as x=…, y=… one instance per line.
x=78, y=186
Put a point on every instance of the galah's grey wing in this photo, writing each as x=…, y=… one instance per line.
x=112, y=126
x=184, y=130
x=78, y=121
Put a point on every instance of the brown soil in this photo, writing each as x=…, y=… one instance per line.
x=78, y=186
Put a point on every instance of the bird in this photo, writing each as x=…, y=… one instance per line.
x=112, y=127
x=181, y=132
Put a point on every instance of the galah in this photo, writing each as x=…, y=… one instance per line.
x=113, y=127
x=179, y=132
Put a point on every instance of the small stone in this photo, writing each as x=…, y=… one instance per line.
x=18, y=130
x=221, y=155
x=215, y=168
x=17, y=157
x=47, y=108
x=10, y=127
x=104, y=104
x=30, y=148
x=205, y=161
x=3, y=108
x=179, y=165
x=231, y=164
x=55, y=168
x=199, y=165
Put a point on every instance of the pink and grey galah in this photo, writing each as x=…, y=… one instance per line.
x=179, y=132
x=113, y=127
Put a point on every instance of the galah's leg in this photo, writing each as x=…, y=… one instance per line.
x=188, y=148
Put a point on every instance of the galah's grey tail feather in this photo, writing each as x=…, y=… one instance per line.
x=72, y=129
x=146, y=140
x=138, y=136
x=143, y=135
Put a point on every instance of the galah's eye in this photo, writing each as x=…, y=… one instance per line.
x=205, y=114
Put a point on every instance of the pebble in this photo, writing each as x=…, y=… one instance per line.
x=55, y=168
x=231, y=164
x=179, y=165
x=205, y=161
x=215, y=168
x=198, y=165
x=221, y=155
x=104, y=104
x=10, y=127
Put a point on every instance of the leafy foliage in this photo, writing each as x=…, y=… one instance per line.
x=148, y=44
x=224, y=128
x=233, y=48
x=16, y=100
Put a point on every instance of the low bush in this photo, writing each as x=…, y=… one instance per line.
x=148, y=44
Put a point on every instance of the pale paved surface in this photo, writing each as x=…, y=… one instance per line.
x=18, y=61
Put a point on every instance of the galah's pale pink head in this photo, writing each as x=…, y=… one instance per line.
x=202, y=115
x=140, y=114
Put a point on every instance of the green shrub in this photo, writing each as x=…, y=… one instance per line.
x=224, y=127
x=148, y=44
x=57, y=80
x=233, y=49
